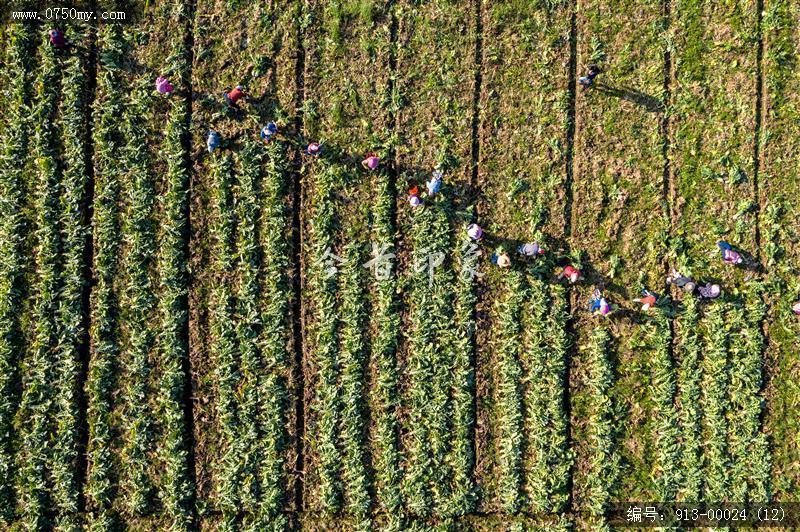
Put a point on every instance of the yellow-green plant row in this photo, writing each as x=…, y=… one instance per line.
x=104, y=304
x=13, y=158
x=37, y=496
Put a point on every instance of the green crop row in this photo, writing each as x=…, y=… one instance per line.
x=667, y=432
x=276, y=291
x=462, y=452
x=548, y=459
x=138, y=304
x=604, y=460
x=688, y=389
x=176, y=487
x=248, y=320
x=509, y=396
x=324, y=336
x=16, y=87
x=536, y=395
x=70, y=314
x=385, y=315
x=352, y=358
x=34, y=419
x=750, y=457
x=429, y=365
x=559, y=457
x=101, y=381
x=224, y=347
x=441, y=359
x=715, y=404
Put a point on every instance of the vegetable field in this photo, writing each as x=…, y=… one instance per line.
x=260, y=336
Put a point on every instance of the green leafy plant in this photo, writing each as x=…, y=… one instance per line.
x=715, y=403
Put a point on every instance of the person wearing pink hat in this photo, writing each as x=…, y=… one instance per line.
x=163, y=86
x=729, y=255
x=371, y=161
x=57, y=39
x=313, y=149
x=474, y=231
x=598, y=304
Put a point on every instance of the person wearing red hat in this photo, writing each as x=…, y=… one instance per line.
x=232, y=97
x=571, y=273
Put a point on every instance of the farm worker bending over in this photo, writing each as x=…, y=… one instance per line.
x=588, y=80
x=599, y=305
x=234, y=96
x=709, y=291
x=531, y=249
x=269, y=130
x=647, y=300
x=370, y=161
x=682, y=282
x=413, y=197
x=435, y=183
x=57, y=39
x=163, y=86
x=501, y=258
x=796, y=308
x=314, y=149
x=214, y=140
x=474, y=231
x=571, y=273
x=729, y=256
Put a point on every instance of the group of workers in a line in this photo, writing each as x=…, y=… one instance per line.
x=598, y=304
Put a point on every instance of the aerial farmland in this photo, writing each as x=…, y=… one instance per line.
x=399, y=265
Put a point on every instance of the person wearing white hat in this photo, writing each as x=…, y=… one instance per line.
x=474, y=231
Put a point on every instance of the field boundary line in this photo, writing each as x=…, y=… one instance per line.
x=759, y=116
x=298, y=275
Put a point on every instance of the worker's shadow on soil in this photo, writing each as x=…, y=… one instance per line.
x=650, y=103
